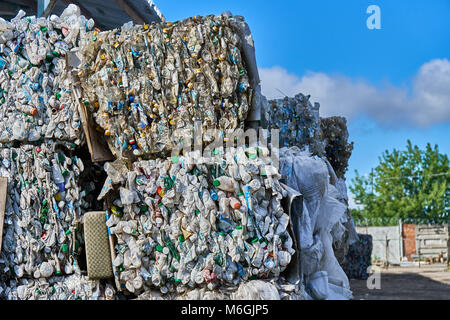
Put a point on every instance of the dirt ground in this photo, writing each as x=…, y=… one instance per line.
x=429, y=282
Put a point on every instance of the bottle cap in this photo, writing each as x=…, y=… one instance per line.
x=216, y=183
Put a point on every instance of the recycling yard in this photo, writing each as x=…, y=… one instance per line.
x=140, y=160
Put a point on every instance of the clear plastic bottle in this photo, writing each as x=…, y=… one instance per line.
x=58, y=178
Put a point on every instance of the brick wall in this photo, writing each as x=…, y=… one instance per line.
x=409, y=240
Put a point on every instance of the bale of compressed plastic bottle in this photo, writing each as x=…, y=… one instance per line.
x=147, y=86
x=337, y=147
x=297, y=121
x=44, y=206
x=186, y=222
x=35, y=83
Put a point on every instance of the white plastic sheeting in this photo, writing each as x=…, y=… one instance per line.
x=323, y=220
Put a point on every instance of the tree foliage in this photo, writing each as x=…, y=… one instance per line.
x=410, y=184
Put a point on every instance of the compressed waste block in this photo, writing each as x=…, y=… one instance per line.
x=148, y=85
x=359, y=258
x=44, y=206
x=186, y=222
x=36, y=100
x=298, y=122
x=337, y=148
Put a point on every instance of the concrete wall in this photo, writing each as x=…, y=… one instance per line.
x=393, y=245
x=432, y=240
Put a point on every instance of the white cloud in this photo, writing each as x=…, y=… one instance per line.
x=426, y=103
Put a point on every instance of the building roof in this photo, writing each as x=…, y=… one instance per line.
x=107, y=14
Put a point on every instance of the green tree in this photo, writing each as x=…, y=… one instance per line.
x=410, y=184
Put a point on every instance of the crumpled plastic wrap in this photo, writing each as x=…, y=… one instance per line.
x=36, y=101
x=44, y=205
x=337, y=148
x=73, y=287
x=324, y=221
x=186, y=222
x=298, y=122
x=148, y=85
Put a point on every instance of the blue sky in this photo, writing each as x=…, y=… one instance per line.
x=392, y=84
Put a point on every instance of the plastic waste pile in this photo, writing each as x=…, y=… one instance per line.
x=323, y=223
x=147, y=85
x=359, y=258
x=187, y=222
x=298, y=122
x=41, y=135
x=337, y=148
x=186, y=226
x=35, y=84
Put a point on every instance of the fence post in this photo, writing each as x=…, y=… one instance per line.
x=387, y=247
x=448, y=246
x=418, y=251
x=401, y=242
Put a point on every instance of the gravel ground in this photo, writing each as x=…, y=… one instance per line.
x=430, y=282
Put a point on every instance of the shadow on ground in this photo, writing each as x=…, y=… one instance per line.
x=402, y=286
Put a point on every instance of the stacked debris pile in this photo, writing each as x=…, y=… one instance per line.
x=148, y=85
x=187, y=222
x=359, y=258
x=49, y=189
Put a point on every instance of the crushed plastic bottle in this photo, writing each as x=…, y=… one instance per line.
x=148, y=85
